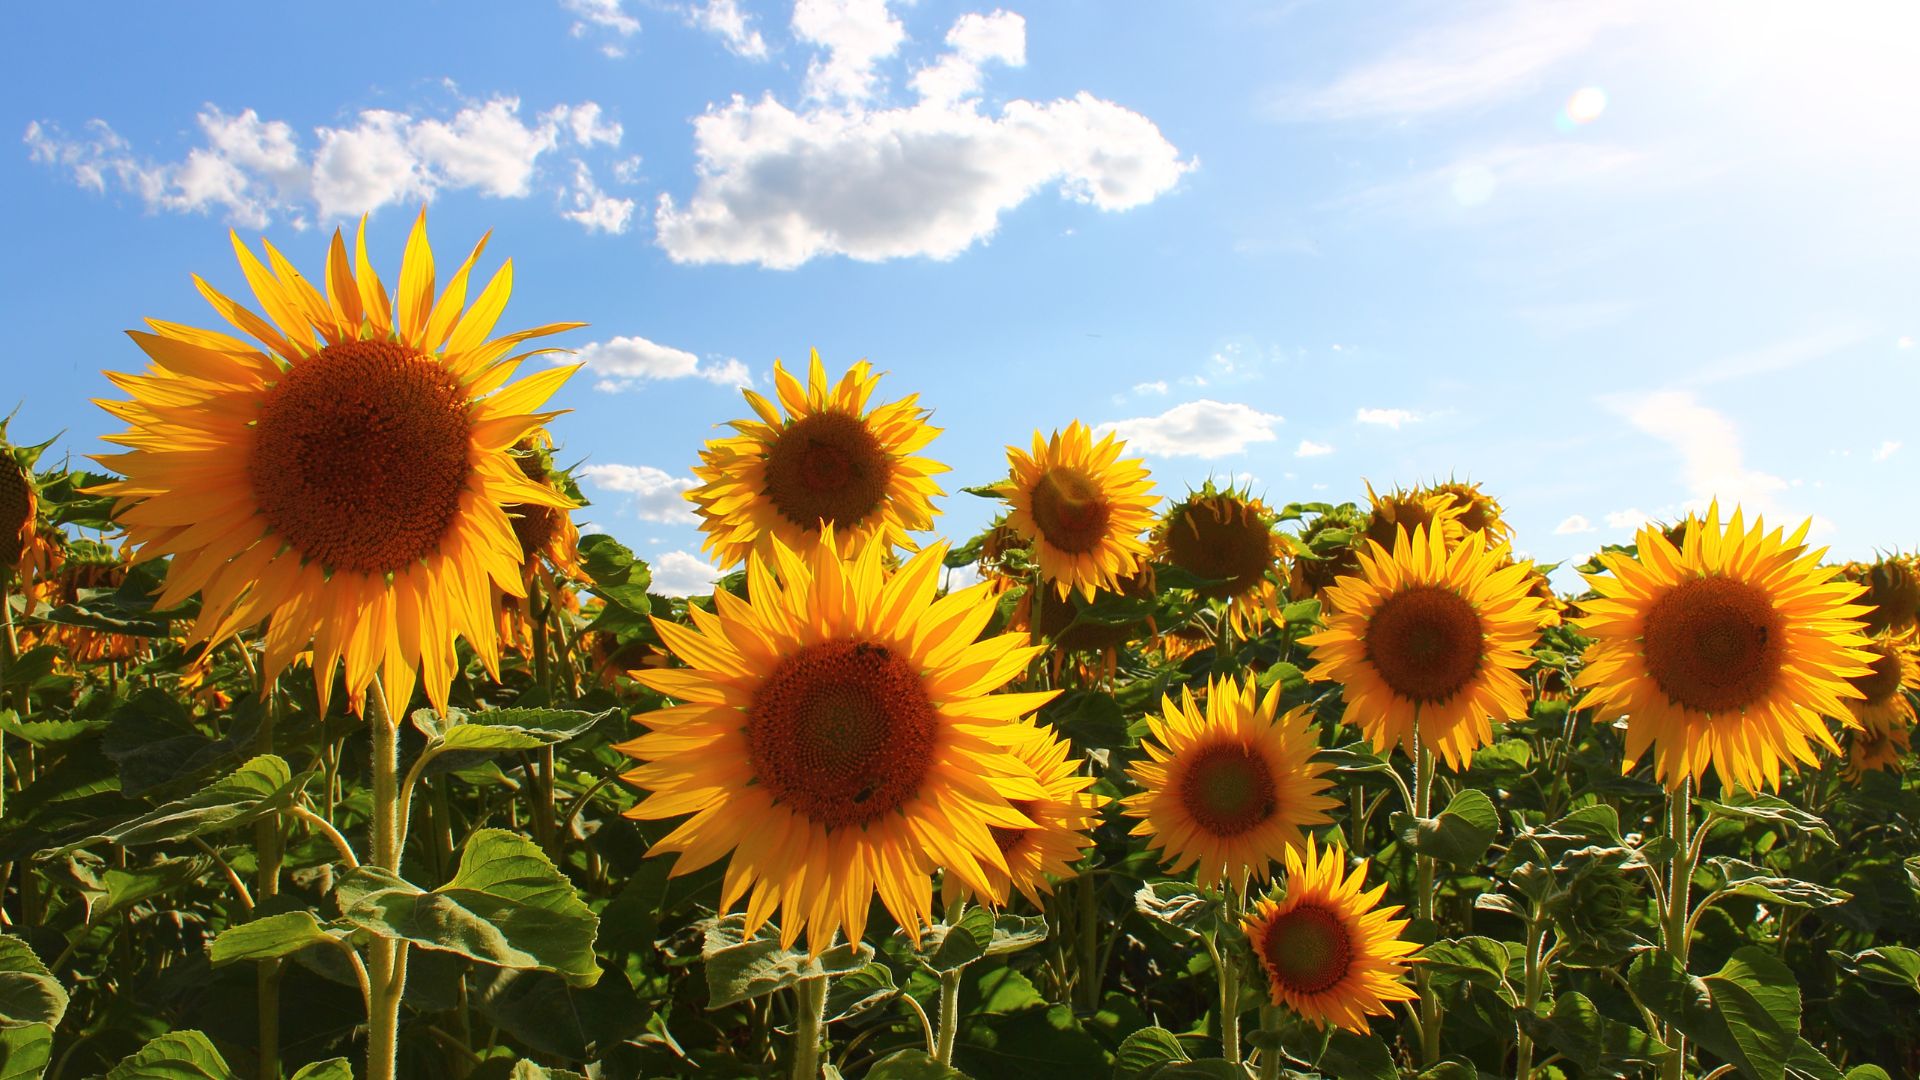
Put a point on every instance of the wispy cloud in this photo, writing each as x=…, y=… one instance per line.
x=1203, y=429
x=1309, y=448
x=655, y=494
x=682, y=573
x=1886, y=450
x=631, y=361
x=1393, y=418
x=1576, y=523
x=1783, y=355
x=1707, y=442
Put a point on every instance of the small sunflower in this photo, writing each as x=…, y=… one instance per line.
x=343, y=479
x=1081, y=506
x=1723, y=652
x=549, y=540
x=839, y=736
x=1876, y=748
x=1327, y=550
x=78, y=568
x=1431, y=635
x=1229, y=788
x=829, y=461
x=1410, y=511
x=1227, y=536
x=1062, y=820
x=1331, y=953
x=1478, y=511
x=1893, y=674
x=1893, y=592
x=26, y=542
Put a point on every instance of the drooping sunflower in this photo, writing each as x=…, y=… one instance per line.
x=1479, y=511
x=1332, y=954
x=343, y=479
x=1724, y=652
x=1326, y=551
x=829, y=461
x=1893, y=592
x=549, y=545
x=1431, y=635
x=1081, y=506
x=1229, y=788
x=1410, y=511
x=1227, y=536
x=1036, y=857
x=838, y=736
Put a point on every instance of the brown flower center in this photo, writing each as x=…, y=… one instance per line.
x=827, y=468
x=1009, y=839
x=360, y=456
x=1883, y=679
x=1222, y=540
x=1399, y=511
x=1713, y=644
x=842, y=731
x=1228, y=789
x=16, y=508
x=1307, y=950
x=1426, y=642
x=1070, y=510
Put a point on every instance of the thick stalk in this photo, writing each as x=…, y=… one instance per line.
x=1228, y=964
x=1423, y=892
x=1679, y=895
x=1535, y=987
x=809, y=1020
x=268, y=843
x=1270, y=1055
x=1087, y=942
x=387, y=957
x=949, y=1016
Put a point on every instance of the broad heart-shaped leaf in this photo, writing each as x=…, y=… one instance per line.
x=29, y=994
x=331, y=1069
x=1012, y=933
x=177, y=1055
x=947, y=948
x=739, y=968
x=1745, y=879
x=912, y=1065
x=262, y=786
x=1460, y=835
x=857, y=991
x=1599, y=1045
x=1482, y=961
x=264, y=939
x=1748, y=1012
x=1895, y=965
x=506, y=906
x=494, y=730
x=1352, y=1056
x=1770, y=810
x=1145, y=1051
x=25, y=1051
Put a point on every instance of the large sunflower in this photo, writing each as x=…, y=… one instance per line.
x=1227, y=537
x=1724, y=652
x=1433, y=635
x=1081, y=506
x=342, y=480
x=828, y=461
x=1230, y=788
x=1036, y=856
x=1331, y=953
x=839, y=736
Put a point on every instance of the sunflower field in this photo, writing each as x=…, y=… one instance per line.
x=333, y=749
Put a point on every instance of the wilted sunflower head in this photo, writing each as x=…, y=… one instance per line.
x=1407, y=511
x=1326, y=551
x=1893, y=592
x=1479, y=511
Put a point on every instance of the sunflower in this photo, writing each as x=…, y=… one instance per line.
x=1326, y=551
x=1429, y=640
x=80, y=567
x=19, y=509
x=1723, y=652
x=1885, y=709
x=839, y=737
x=549, y=544
x=1331, y=953
x=1409, y=511
x=1036, y=856
x=345, y=482
x=1081, y=507
x=1893, y=592
x=828, y=462
x=1478, y=511
x=1229, y=788
x=1227, y=537
x=28, y=545
x=1876, y=748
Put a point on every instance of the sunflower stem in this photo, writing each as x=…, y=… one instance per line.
x=809, y=1023
x=1679, y=894
x=1423, y=891
x=1270, y=1054
x=1227, y=962
x=1087, y=942
x=387, y=956
x=268, y=844
x=1536, y=981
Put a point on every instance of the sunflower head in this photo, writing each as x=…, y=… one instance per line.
x=1331, y=953
x=79, y=567
x=1227, y=537
x=1428, y=640
x=19, y=503
x=1327, y=550
x=1060, y=616
x=1478, y=511
x=1062, y=820
x=1893, y=592
x=1228, y=787
x=838, y=736
x=1081, y=506
x=1893, y=675
x=819, y=461
x=549, y=540
x=1402, y=511
x=341, y=476
x=1877, y=749
x=1723, y=652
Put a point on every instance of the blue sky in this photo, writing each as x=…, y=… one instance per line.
x=1608, y=259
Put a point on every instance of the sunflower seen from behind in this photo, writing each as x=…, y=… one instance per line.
x=827, y=463
x=341, y=476
x=1082, y=507
x=838, y=736
x=1331, y=953
x=1432, y=637
x=1228, y=786
x=1227, y=537
x=1477, y=511
x=1722, y=653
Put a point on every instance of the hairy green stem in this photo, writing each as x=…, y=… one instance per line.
x=1423, y=892
x=387, y=956
x=809, y=1024
x=1679, y=894
x=1535, y=986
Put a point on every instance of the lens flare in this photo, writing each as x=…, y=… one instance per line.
x=1583, y=107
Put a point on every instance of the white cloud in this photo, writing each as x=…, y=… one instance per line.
x=594, y=209
x=682, y=573
x=657, y=494
x=1886, y=450
x=779, y=187
x=1393, y=418
x=1504, y=50
x=605, y=14
x=1205, y=429
x=1708, y=444
x=624, y=363
x=735, y=27
x=255, y=171
x=1309, y=448
x=1576, y=523
x=1631, y=518
x=1158, y=386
